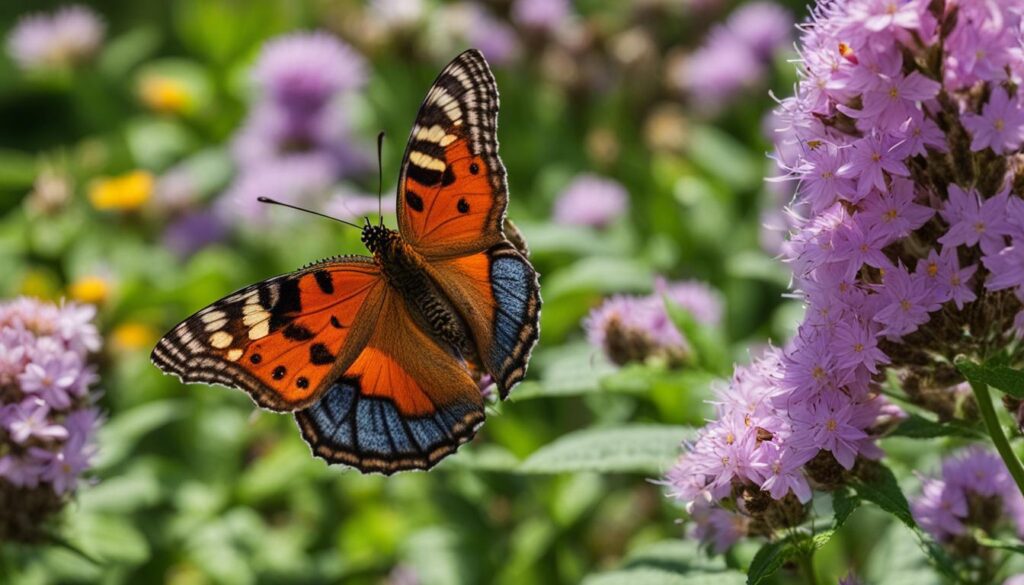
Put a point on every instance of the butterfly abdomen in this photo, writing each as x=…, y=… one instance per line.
x=405, y=272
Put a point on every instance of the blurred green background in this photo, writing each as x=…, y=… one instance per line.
x=100, y=161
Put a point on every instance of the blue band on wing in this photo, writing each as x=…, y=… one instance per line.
x=368, y=432
x=517, y=304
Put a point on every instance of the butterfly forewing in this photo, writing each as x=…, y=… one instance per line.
x=283, y=340
x=453, y=194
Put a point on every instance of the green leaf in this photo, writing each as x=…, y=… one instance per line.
x=652, y=576
x=669, y=562
x=706, y=343
x=118, y=437
x=17, y=169
x=106, y=538
x=882, y=489
x=769, y=559
x=126, y=51
x=919, y=427
x=843, y=504
x=723, y=157
x=570, y=370
x=993, y=374
x=599, y=275
x=638, y=448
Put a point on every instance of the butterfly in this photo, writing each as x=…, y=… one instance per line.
x=379, y=358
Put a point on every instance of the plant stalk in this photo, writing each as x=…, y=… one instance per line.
x=806, y=562
x=995, y=430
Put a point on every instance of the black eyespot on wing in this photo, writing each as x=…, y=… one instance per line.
x=474, y=168
x=279, y=372
x=335, y=322
x=255, y=358
x=463, y=206
x=413, y=200
x=324, y=281
x=297, y=333
x=319, y=355
x=302, y=382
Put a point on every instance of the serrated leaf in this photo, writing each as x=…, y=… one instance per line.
x=670, y=562
x=843, y=504
x=919, y=427
x=1000, y=377
x=882, y=489
x=639, y=448
x=768, y=559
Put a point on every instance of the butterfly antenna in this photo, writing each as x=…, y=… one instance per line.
x=380, y=176
x=270, y=201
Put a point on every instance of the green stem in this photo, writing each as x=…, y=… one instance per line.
x=995, y=430
x=806, y=562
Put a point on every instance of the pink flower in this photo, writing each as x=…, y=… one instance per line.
x=973, y=222
x=1000, y=125
x=870, y=158
x=894, y=101
x=894, y=213
x=824, y=422
x=905, y=303
x=29, y=419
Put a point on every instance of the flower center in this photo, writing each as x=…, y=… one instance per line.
x=730, y=438
x=858, y=347
x=999, y=124
x=894, y=92
x=875, y=157
x=818, y=373
x=890, y=215
x=831, y=425
x=905, y=305
x=955, y=280
x=933, y=268
x=979, y=227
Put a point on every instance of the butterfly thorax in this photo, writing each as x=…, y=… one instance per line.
x=405, y=271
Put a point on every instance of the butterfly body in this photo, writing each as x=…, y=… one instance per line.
x=405, y=271
x=379, y=358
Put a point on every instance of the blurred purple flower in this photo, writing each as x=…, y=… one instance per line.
x=354, y=206
x=493, y=37
x=763, y=27
x=289, y=179
x=944, y=509
x=296, y=139
x=69, y=36
x=735, y=54
x=632, y=328
x=548, y=15
x=192, y=232
x=301, y=72
x=591, y=200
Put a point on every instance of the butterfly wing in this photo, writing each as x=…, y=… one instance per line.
x=497, y=293
x=405, y=403
x=452, y=190
x=284, y=340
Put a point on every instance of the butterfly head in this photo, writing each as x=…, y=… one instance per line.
x=375, y=237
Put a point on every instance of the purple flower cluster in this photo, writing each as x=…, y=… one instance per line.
x=592, y=201
x=736, y=54
x=69, y=36
x=975, y=490
x=633, y=328
x=296, y=140
x=47, y=417
x=904, y=140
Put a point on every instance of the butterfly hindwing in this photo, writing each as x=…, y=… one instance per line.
x=283, y=340
x=497, y=293
x=452, y=188
x=405, y=403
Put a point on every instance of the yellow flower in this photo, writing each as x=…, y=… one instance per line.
x=165, y=95
x=133, y=335
x=123, y=193
x=90, y=289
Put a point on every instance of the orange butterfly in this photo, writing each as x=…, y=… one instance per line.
x=377, y=356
